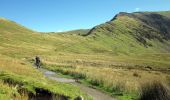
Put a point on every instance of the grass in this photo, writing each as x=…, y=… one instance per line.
x=119, y=82
x=116, y=57
x=155, y=91
x=18, y=74
x=30, y=85
x=6, y=92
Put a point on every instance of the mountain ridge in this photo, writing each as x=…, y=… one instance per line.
x=123, y=48
x=122, y=35
x=155, y=18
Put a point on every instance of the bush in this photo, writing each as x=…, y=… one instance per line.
x=78, y=75
x=155, y=91
x=94, y=82
x=135, y=74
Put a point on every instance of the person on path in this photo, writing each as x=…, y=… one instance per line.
x=37, y=61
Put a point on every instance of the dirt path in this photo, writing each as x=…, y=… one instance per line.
x=96, y=94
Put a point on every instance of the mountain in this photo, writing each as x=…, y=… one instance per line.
x=156, y=21
x=150, y=29
x=129, y=40
x=11, y=26
x=80, y=32
x=127, y=34
x=18, y=78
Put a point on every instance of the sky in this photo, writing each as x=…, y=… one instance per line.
x=64, y=15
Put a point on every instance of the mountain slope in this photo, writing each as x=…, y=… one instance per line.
x=132, y=40
x=77, y=32
x=156, y=21
x=126, y=33
x=7, y=25
x=18, y=47
x=150, y=30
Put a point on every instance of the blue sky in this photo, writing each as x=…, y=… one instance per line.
x=63, y=15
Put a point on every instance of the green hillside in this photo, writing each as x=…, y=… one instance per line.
x=81, y=32
x=18, y=47
x=130, y=41
x=136, y=32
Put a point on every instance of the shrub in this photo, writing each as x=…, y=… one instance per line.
x=135, y=74
x=155, y=91
x=94, y=82
x=116, y=89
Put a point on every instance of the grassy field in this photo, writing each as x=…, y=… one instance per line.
x=24, y=80
x=116, y=57
x=116, y=79
x=17, y=73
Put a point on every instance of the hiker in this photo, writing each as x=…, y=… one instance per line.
x=37, y=61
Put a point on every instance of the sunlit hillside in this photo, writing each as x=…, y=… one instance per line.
x=116, y=57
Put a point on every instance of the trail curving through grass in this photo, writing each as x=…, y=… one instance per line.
x=96, y=94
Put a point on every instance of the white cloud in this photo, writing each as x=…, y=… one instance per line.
x=59, y=30
x=137, y=9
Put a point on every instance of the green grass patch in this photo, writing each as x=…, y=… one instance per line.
x=114, y=90
x=30, y=86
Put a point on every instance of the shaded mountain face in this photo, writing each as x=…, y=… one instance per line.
x=126, y=33
x=157, y=21
x=142, y=26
